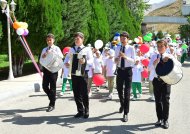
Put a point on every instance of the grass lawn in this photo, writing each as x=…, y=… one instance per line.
x=4, y=61
x=28, y=68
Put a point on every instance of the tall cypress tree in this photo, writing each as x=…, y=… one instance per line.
x=98, y=24
x=120, y=18
x=76, y=14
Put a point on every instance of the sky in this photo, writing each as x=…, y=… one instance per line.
x=155, y=1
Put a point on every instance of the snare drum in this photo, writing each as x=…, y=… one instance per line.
x=52, y=62
x=170, y=72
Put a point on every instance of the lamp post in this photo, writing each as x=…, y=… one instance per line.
x=6, y=10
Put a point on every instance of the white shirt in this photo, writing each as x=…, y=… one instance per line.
x=110, y=67
x=151, y=68
x=86, y=51
x=137, y=69
x=90, y=71
x=98, y=64
x=179, y=51
x=54, y=49
x=66, y=72
x=129, y=52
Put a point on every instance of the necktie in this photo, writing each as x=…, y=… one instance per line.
x=122, y=59
x=161, y=58
x=78, y=49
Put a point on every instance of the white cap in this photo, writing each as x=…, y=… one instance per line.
x=111, y=52
x=137, y=58
x=98, y=52
x=167, y=35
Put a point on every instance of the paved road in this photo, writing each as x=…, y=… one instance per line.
x=26, y=114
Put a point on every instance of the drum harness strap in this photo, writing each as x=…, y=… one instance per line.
x=79, y=50
x=161, y=61
x=76, y=51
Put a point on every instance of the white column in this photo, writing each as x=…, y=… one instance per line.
x=9, y=44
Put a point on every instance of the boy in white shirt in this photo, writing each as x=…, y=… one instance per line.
x=136, y=78
x=109, y=68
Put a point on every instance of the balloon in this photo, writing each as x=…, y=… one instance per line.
x=16, y=25
x=137, y=40
x=145, y=73
x=144, y=48
x=20, y=31
x=66, y=50
x=149, y=34
x=145, y=62
x=130, y=41
x=184, y=46
x=140, y=40
x=25, y=32
x=98, y=79
x=24, y=25
x=98, y=44
x=174, y=41
x=147, y=38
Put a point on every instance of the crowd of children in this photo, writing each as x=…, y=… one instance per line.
x=104, y=64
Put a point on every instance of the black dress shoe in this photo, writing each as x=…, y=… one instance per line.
x=86, y=115
x=125, y=118
x=158, y=123
x=165, y=125
x=50, y=108
x=121, y=110
x=78, y=115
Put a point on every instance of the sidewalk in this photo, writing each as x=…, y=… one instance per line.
x=18, y=86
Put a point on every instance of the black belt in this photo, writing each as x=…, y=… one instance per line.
x=124, y=68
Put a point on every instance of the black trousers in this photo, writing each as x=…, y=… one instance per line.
x=49, y=85
x=162, y=95
x=124, y=77
x=80, y=93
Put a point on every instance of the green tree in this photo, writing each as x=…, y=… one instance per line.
x=120, y=18
x=1, y=31
x=137, y=8
x=160, y=35
x=172, y=35
x=130, y=24
x=184, y=30
x=98, y=24
x=42, y=17
x=75, y=18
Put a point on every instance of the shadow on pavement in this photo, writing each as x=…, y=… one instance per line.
x=70, y=122
x=64, y=120
x=121, y=129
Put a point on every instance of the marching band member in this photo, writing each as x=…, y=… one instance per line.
x=49, y=78
x=125, y=58
x=161, y=89
x=80, y=82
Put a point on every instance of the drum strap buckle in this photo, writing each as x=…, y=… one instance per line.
x=159, y=78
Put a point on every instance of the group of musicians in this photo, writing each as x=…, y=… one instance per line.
x=125, y=59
